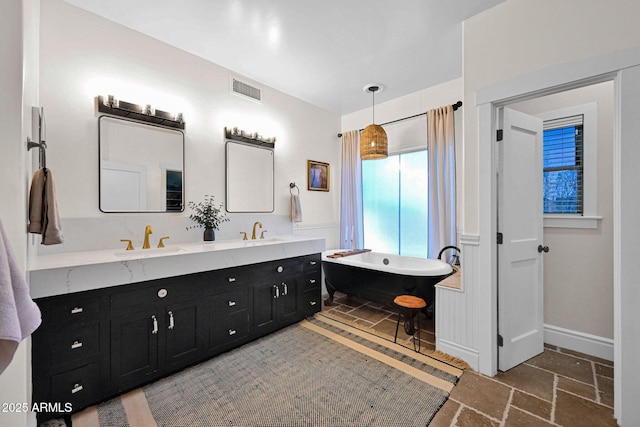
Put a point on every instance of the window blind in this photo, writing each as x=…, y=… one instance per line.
x=563, y=165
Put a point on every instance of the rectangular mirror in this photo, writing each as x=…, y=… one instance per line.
x=249, y=178
x=141, y=167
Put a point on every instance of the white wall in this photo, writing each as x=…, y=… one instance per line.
x=578, y=272
x=505, y=43
x=18, y=85
x=83, y=56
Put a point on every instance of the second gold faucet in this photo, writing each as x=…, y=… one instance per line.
x=148, y=230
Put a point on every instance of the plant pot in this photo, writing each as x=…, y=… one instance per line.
x=209, y=235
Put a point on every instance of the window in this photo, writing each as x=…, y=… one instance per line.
x=563, y=167
x=395, y=203
x=570, y=179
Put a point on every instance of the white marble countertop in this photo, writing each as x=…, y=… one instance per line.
x=81, y=271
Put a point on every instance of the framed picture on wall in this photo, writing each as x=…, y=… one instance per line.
x=317, y=176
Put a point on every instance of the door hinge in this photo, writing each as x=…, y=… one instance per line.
x=499, y=135
x=499, y=238
x=500, y=341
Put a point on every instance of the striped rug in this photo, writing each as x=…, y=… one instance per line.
x=318, y=372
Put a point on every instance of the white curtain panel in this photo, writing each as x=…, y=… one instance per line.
x=442, y=179
x=351, y=217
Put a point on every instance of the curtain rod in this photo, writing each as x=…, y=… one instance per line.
x=455, y=107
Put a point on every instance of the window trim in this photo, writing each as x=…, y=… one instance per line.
x=589, y=217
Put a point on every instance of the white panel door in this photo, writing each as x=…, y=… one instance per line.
x=520, y=279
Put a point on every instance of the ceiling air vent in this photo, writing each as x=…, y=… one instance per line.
x=246, y=90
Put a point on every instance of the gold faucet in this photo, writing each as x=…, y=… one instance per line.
x=148, y=230
x=253, y=235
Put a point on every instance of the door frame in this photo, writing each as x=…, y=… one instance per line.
x=559, y=78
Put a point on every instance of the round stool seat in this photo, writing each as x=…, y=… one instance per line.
x=409, y=301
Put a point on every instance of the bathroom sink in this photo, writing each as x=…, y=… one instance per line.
x=266, y=241
x=144, y=253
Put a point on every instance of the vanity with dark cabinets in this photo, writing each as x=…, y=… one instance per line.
x=97, y=344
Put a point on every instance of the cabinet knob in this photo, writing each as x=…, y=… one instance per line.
x=77, y=310
x=231, y=279
x=162, y=293
x=313, y=262
x=312, y=281
x=313, y=303
x=76, y=344
x=232, y=332
x=232, y=303
x=76, y=388
x=280, y=269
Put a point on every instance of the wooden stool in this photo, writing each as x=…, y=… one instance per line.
x=412, y=304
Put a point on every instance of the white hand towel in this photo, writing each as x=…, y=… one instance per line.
x=296, y=210
x=19, y=315
x=43, y=208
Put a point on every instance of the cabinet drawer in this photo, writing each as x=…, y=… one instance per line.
x=230, y=329
x=74, y=343
x=229, y=302
x=221, y=281
x=138, y=296
x=78, y=387
x=311, y=281
x=311, y=263
x=78, y=310
x=312, y=302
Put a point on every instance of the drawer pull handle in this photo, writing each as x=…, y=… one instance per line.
x=232, y=279
x=155, y=325
x=312, y=281
x=312, y=262
x=171, y=324
x=232, y=332
x=76, y=310
x=232, y=303
x=313, y=302
x=285, y=289
x=76, y=388
x=76, y=344
x=276, y=291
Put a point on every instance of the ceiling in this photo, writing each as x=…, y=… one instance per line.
x=323, y=52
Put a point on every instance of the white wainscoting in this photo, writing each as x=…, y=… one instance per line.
x=457, y=315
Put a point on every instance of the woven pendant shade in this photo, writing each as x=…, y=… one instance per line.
x=373, y=143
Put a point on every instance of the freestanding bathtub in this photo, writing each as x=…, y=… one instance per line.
x=381, y=277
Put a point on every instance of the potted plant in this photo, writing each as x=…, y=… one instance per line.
x=206, y=215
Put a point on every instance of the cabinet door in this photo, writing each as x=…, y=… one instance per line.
x=134, y=347
x=265, y=296
x=288, y=310
x=182, y=332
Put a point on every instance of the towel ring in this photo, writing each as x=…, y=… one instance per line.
x=292, y=186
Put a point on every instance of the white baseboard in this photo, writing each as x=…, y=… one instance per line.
x=579, y=341
x=467, y=354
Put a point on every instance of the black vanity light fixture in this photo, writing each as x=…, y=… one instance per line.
x=237, y=134
x=144, y=113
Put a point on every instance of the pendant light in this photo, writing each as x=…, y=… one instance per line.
x=373, y=140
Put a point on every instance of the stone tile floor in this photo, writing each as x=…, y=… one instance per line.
x=556, y=388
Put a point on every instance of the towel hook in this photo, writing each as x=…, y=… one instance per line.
x=293, y=185
x=42, y=146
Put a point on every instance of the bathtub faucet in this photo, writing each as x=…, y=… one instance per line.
x=253, y=235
